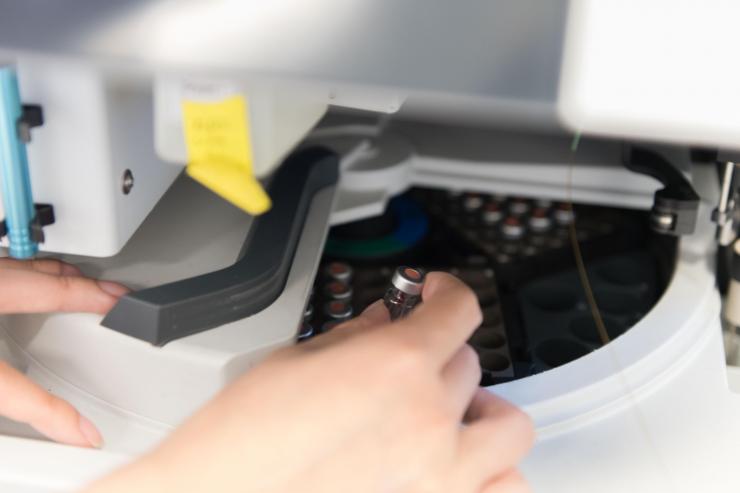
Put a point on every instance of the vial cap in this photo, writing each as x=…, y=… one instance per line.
x=338, y=309
x=409, y=280
x=339, y=271
x=338, y=290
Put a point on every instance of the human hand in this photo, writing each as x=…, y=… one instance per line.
x=372, y=406
x=34, y=286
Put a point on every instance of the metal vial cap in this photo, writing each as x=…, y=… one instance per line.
x=339, y=271
x=338, y=309
x=512, y=228
x=519, y=207
x=564, y=215
x=337, y=290
x=408, y=280
x=539, y=220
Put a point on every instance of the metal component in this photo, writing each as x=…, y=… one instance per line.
x=305, y=332
x=408, y=280
x=405, y=291
x=338, y=310
x=723, y=215
x=662, y=222
x=338, y=290
x=24, y=132
x=732, y=301
x=677, y=199
x=127, y=183
x=308, y=312
x=339, y=271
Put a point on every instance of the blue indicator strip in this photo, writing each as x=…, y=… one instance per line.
x=15, y=180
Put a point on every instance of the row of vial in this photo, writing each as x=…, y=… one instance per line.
x=512, y=216
x=402, y=295
x=337, y=292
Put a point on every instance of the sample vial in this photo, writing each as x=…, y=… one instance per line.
x=405, y=291
x=338, y=290
x=472, y=202
x=338, y=310
x=519, y=207
x=339, y=271
x=539, y=221
x=492, y=213
x=512, y=228
x=564, y=214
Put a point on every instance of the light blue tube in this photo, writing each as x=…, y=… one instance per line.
x=14, y=175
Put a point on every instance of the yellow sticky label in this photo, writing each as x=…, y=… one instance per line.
x=220, y=152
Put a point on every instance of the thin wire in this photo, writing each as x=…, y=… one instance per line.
x=581, y=267
x=601, y=327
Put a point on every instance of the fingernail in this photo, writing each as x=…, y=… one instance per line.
x=70, y=270
x=113, y=288
x=91, y=434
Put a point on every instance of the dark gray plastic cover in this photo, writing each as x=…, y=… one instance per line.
x=164, y=313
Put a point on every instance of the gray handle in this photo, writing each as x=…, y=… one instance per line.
x=171, y=311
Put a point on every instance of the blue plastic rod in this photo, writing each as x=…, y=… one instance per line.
x=14, y=175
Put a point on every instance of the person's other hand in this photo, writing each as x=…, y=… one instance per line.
x=373, y=406
x=35, y=286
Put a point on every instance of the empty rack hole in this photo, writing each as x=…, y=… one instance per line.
x=557, y=352
x=553, y=298
x=622, y=271
x=493, y=361
x=487, y=339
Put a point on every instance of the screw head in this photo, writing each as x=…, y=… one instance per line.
x=128, y=182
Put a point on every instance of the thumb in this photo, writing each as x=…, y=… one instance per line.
x=375, y=314
x=24, y=401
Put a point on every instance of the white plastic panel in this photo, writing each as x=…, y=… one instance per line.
x=94, y=130
x=661, y=69
x=278, y=117
x=490, y=61
x=380, y=162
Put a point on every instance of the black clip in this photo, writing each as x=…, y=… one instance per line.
x=32, y=116
x=676, y=205
x=44, y=216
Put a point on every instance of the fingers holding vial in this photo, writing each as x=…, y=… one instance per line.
x=405, y=291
